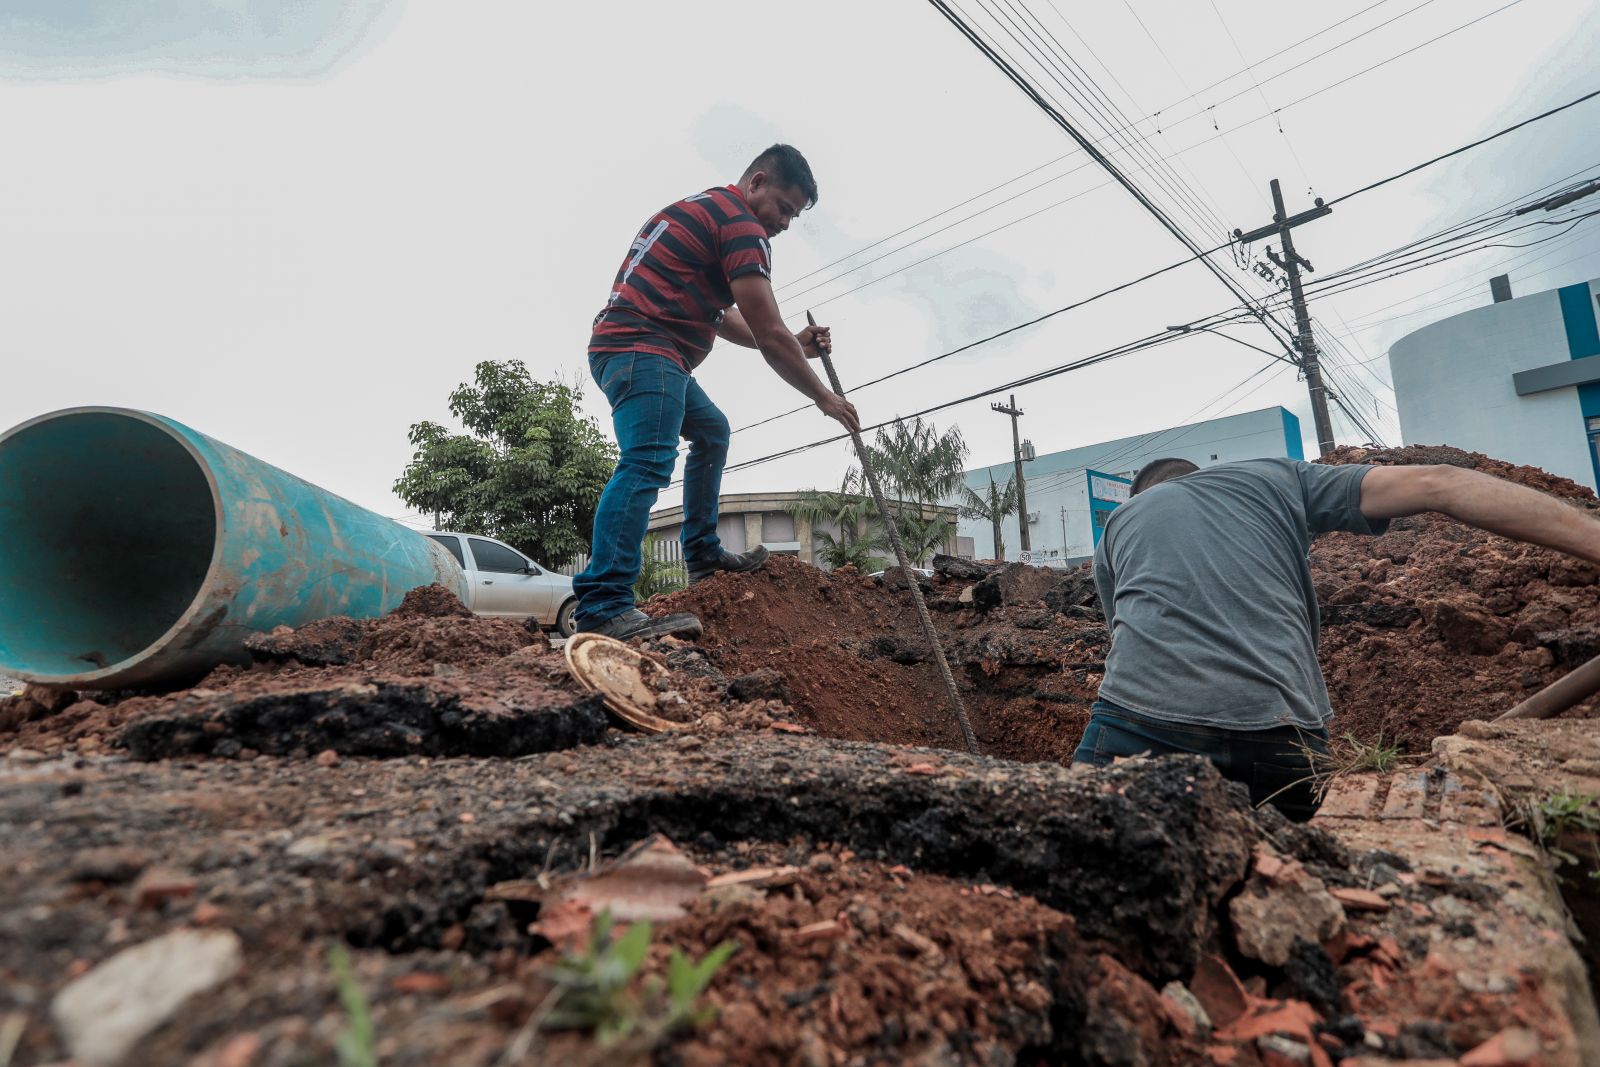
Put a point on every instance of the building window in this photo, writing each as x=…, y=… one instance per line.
x=1592, y=425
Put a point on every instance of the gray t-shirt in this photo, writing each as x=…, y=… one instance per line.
x=1206, y=584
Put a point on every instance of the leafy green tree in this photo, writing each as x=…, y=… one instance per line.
x=991, y=507
x=855, y=515
x=529, y=471
x=918, y=467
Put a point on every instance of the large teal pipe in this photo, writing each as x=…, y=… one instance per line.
x=135, y=551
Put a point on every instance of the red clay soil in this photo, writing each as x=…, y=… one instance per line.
x=1448, y=623
x=858, y=961
x=1425, y=627
x=855, y=664
x=813, y=628
x=857, y=951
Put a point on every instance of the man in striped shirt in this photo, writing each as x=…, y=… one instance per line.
x=699, y=269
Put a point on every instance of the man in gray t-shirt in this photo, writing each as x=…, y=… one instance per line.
x=1205, y=578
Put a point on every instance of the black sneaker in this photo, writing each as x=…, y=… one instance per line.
x=635, y=623
x=732, y=562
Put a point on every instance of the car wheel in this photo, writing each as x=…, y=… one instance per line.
x=566, y=619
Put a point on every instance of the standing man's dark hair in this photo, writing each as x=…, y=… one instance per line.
x=786, y=166
x=699, y=269
x=1160, y=470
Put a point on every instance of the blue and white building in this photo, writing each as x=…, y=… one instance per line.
x=1071, y=493
x=1518, y=380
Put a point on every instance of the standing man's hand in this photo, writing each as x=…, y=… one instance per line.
x=815, y=340
x=837, y=407
x=786, y=352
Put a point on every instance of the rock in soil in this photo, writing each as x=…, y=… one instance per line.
x=103, y=1014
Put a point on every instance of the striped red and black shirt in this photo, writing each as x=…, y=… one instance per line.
x=676, y=281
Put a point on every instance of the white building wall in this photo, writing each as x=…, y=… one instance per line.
x=1057, y=483
x=1452, y=384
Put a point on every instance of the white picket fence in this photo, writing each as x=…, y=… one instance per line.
x=662, y=550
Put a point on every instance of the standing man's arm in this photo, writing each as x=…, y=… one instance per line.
x=814, y=339
x=758, y=316
x=734, y=328
x=1484, y=501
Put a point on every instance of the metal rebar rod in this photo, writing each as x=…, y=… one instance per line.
x=951, y=694
x=1559, y=695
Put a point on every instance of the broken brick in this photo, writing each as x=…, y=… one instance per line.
x=826, y=930
x=756, y=878
x=1219, y=991
x=421, y=982
x=158, y=885
x=1359, y=899
x=1511, y=1047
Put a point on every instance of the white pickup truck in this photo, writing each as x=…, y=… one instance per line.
x=502, y=581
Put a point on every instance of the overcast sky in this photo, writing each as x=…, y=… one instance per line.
x=297, y=227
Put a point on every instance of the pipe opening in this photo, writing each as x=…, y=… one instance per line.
x=107, y=529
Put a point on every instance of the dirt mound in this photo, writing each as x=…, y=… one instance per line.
x=429, y=678
x=854, y=664
x=816, y=631
x=431, y=602
x=1410, y=455
x=1427, y=626
x=1436, y=622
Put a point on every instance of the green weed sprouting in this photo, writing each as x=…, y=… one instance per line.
x=1555, y=816
x=357, y=1044
x=595, y=990
x=1344, y=755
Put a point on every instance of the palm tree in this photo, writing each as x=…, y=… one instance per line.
x=992, y=507
x=853, y=513
x=657, y=576
x=919, y=467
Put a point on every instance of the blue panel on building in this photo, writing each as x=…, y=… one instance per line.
x=1583, y=340
x=1106, y=493
x=1577, y=314
x=1291, y=435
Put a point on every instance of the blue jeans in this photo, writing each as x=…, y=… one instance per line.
x=653, y=403
x=1272, y=763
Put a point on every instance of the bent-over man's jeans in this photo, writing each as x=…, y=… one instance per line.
x=1272, y=763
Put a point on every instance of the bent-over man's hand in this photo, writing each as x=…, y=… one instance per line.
x=815, y=340
x=837, y=407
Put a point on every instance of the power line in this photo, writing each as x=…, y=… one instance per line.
x=1288, y=142
x=1094, y=153
x=1464, y=148
x=1169, y=267
x=1112, y=74
x=1108, y=116
x=1034, y=170
x=1176, y=154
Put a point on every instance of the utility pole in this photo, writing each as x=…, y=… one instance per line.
x=1063, y=531
x=1015, y=412
x=1291, y=262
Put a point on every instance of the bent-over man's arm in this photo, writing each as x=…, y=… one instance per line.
x=1484, y=501
x=758, y=309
